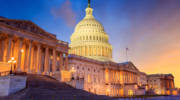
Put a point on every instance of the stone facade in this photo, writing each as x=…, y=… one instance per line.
x=104, y=78
x=161, y=83
x=117, y=79
x=35, y=50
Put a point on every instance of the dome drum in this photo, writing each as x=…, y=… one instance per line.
x=90, y=40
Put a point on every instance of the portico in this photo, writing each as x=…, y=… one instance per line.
x=35, y=50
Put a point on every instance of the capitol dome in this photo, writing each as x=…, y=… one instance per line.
x=90, y=40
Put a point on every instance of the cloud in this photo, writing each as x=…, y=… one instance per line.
x=65, y=12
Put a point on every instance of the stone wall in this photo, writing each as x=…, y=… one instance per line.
x=11, y=84
x=4, y=86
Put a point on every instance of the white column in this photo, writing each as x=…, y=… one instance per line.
x=38, y=64
x=32, y=59
x=66, y=62
x=54, y=61
x=46, y=69
x=25, y=57
x=29, y=57
x=19, y=55
x=96, y=51
x=9, y=48
x=2, y=50
x=87, y=50
x=61, y=61
x=80, y=51
x=101, y=51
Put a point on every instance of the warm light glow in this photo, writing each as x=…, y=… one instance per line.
x=9, y=61
x=89, y=78
x=51, y=57
x=174, y=92
x=146, y=88
x=107, y=91
x=168, y=92
x=106, y=76
x=12, y=58
x=65, y=76
x=135, y=86
x=14, y=61
x=130, y=92
x=73, y=70
x=121, y=92
x=22, y=50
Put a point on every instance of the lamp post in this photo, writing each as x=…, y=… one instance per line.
x=12, y=62
x=72, y=71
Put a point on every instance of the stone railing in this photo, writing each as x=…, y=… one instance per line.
x=5, y=73
x=4, y=68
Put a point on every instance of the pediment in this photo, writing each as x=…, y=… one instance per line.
x=26, y=26
x=129, y=65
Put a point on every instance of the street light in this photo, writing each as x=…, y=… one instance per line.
x=12, y=61
x=72, y=71
x=22, y=50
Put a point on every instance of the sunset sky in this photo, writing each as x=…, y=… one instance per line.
x=149, y=28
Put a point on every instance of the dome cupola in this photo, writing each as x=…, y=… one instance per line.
x=89, y=39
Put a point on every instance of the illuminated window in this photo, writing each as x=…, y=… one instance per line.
x=89, y=78
x=130, y=92
x=106, y=75
x=174, y=92
x=107, y=92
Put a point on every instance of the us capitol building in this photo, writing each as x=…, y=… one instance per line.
x=86, y=63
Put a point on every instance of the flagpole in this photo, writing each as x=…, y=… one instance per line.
x=127, y=54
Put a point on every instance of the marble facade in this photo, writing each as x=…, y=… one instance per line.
x=161, y=84
x=105, y=78
x=35, y=50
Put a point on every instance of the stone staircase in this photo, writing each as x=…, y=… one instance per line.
x=41, y=87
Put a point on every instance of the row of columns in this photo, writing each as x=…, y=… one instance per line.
x=92, y=51
x=91, y=38
x=116, y=91
x=116, y=76
x=29, y=55
x=169, y=83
